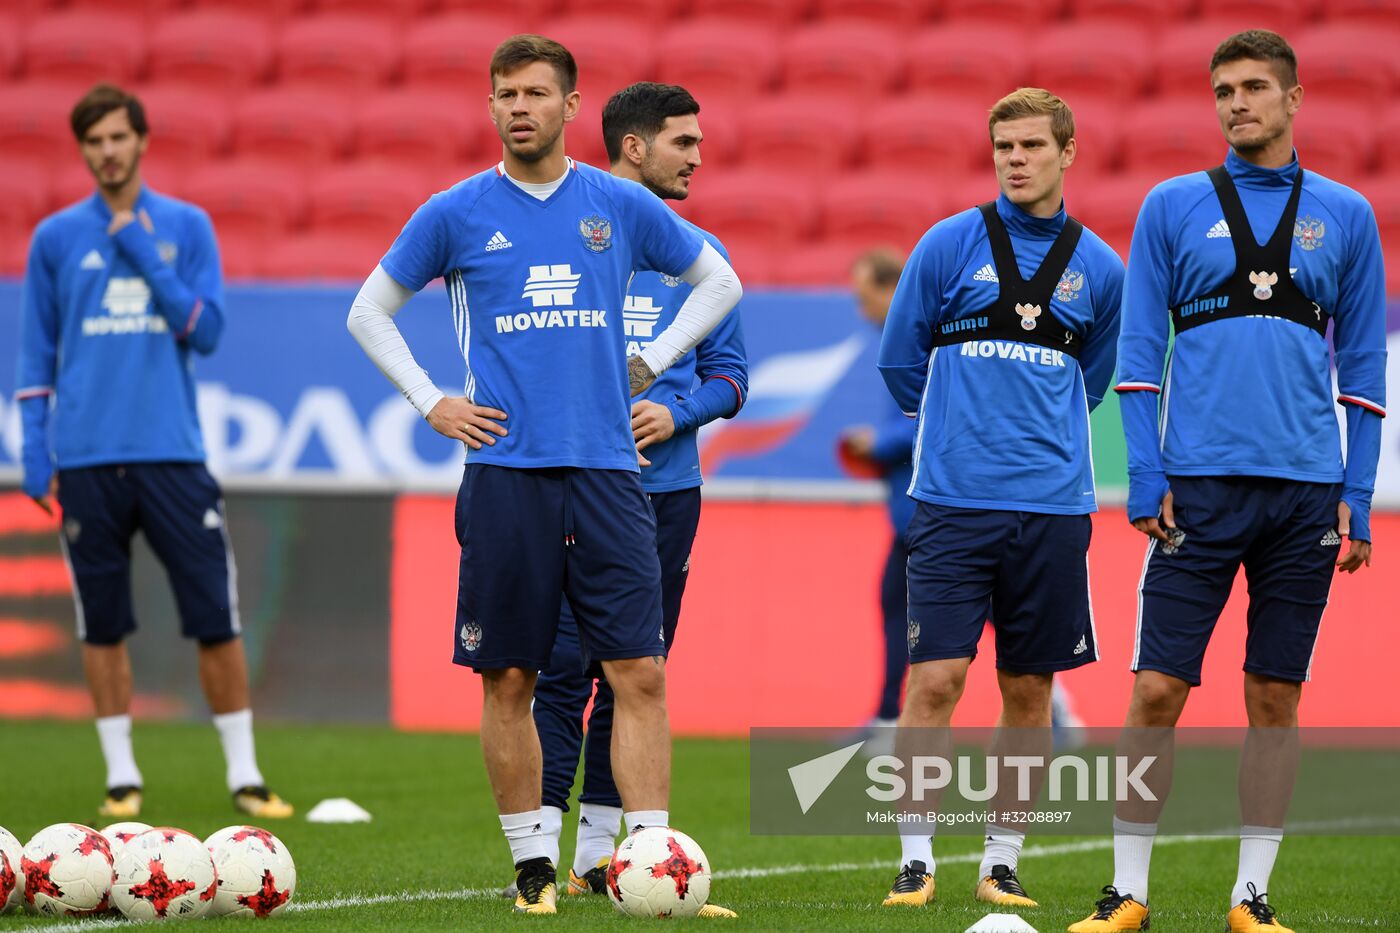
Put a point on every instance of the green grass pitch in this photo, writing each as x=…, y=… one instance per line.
x=433, y=854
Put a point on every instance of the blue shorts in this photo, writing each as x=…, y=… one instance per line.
x=1027, y=572
x=180, y=509
x=1282, y=531
x=530, y=537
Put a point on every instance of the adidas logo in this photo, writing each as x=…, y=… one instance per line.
x=1220, y=229
x=986, y=274
x=498, y=241
x=93, y=260
x=1331, y=539
x=1083, y=645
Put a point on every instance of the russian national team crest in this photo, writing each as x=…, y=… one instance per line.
x=670, y=281
x=913, y=634
x=1028, y=315
x=471, y=636
x=1070, y=284
x=596, y=231
x=1308, y=232
x=1264, y=283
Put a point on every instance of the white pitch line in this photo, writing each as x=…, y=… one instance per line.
x=1035, y=851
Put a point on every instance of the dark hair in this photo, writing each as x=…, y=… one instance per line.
x=1260, y=45
x=885, y=266
x=102, y=100
x=642, y=110
x=519, y=51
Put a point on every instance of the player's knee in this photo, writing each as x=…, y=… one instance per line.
x=1271, y=702
x=637, y=680
x=508, y=688
x=935, y=686
x=1158, y=698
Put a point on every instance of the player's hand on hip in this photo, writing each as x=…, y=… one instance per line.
x=639, y=375
x=651, y=423
x=474, y=425
x=1158, y=527
x=1358, y=553
x=47, y=500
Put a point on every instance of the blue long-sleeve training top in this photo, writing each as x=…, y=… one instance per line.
x=1003, y=424
x=106, y=328
x=1253, y=396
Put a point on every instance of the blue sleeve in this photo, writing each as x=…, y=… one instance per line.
x=722, y=366
x=1359, y=337
x=193, y=308
x=1142, y=352
x=907, y=340
x=419, y=253
x=663, y=242
x=38, y=367
x=894, y=441
x=1100, y=353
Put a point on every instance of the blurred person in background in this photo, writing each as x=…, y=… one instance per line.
x=120, y=291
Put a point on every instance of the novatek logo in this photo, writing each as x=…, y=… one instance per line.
x=551, y=286
x=498, y=241
x=986, y=274
x=127, y=302
x=1008, y=350
x=639, y=316
x=1219, y=229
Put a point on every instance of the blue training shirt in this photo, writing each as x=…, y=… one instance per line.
x=718, y=362
x=1253, y=396
x=1002, y=424
x=106, y=330
x=537, y=291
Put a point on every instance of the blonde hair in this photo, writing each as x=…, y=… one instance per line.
x=1034, y=102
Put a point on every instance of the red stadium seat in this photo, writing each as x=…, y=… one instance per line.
x=454, y=52
x=395, y=13
x=338, y=51
x=1172, y=137
x=34, y=121
x=1091, y=61
x=1004, y=13
x=271, y=12
x=774, y=207
x=250, y=199
x=583, y=138
x=755, y=259
x=216, y=49
x=652, y=13
x=1336, y=140
x=524, y=15
x=768, y=14
x=1098, y=137
x=1354, y=64
x=897, y=14
x=298, y=128
x=188, y=124
x=798, y=133
x=1384, y=194
x=836, y=60
x=423, y=126
x=1284, y=18
x=1382, y=13
x=1134, y=12
x=1110, y=206
x=824, y=263
x=1389, y=128
x=717, y=59
x=9, y=45
x=147, y=10
x=928, y=135
x=84, y=47
x=1181, y=56
x=368, y=199
x=323, y=256
x=881, y=207
x=24, y=193
x=14, y=248
x=983, y=62
x=611, y=53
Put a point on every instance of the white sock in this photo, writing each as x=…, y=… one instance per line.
x=1003, y=847
x=525, y=834
x=1258, y=849
x=597, y=835
x=236, y=734
x=645, y=819
x=552, y=823
x=916, y=844
x=114, y=734
x=1132, y=854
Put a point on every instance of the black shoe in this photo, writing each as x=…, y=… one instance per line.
x=534, y=882
x=913, y=886
x=1001, y=886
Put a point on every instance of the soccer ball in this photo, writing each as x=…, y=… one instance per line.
x=257, y=877
x=67, y=871
x=11, y=875
x=164, y=874
x=659, y=872
x=119, y=834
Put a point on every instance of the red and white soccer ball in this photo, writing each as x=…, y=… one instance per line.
x=164, y=874
x=67, y=871
x=119, y=834
x=11, y=875
x=659, y=872
x=257, y=876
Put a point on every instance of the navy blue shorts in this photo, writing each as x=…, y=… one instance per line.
x=530, y=537
x=179, y=508
x=1284, y=533
x=1027, y=572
